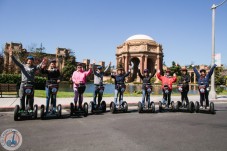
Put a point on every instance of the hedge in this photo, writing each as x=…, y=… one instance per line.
x=16, y=79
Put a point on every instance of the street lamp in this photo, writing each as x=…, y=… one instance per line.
x=212, y=91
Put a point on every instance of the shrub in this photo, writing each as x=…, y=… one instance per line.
x=16, y=79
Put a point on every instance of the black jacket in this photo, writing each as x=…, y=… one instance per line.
x=120, y=78
x=52, y=74
x=145, y=79
x=185, y=79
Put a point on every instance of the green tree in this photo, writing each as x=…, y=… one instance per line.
x=219, y=76
x=175, y=68
x=69, y=68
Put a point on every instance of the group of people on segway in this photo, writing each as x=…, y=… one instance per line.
x=26, y=92
x=183, y=87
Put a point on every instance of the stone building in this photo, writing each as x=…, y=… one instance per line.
x=142, y=52
x=61, y=56
x=16, y=48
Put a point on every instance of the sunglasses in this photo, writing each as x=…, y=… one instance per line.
x=79, y=67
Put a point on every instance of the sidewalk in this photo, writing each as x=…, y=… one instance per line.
x=8, y=103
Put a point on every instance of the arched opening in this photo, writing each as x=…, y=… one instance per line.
x=150, y=65
x=135, y=64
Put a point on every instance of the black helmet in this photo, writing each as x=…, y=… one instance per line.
x=202, y=70
x=145, y=70
x=99, y=67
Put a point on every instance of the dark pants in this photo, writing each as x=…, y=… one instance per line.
x=79, y=94
x=184, y=96
x=167, y=96
x=203, y=97
x=100, y=94
x=29, y=98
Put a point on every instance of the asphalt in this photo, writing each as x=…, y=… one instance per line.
x=7, y=103
x=174, y=131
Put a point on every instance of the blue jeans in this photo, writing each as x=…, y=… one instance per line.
x=23, y=103
x=53, y=100
x=100, y=94
x=116, y=93
x=144, y=95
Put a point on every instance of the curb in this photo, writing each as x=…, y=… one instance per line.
x=10, y=109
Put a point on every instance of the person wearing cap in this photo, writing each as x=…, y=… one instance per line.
x=28, y=71
x=98, y=81
x=119, y=80
x=146, y=78
x=184, y=79
x=167, y=80
x=79, y=77
x=53, y=74
x=203, y=79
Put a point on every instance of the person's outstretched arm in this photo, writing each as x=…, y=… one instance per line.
x=18, y=63
x=152, y=75
x=140, y=75
x=196, y=72
x=159, y=75
x=211, y=71
x=107, y=67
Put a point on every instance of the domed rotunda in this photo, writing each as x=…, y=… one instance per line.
x=141, y=51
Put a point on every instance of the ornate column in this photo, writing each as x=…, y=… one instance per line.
x=145, y=62
x=194, y=78
x=126, y=63
x=141, y=63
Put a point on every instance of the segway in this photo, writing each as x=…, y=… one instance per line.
x=102, y=107
x=122, y=106
x=29, y=112
x=148, y=106
x=163, y=105
x=52, y=113
x=210, y=109
x=76, y=111
x=183, y=106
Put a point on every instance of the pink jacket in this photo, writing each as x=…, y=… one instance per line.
x=166, y=80
x=80, y=76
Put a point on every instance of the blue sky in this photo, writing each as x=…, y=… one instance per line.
x=94, y=28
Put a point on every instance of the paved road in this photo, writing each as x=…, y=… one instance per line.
x=127, y=132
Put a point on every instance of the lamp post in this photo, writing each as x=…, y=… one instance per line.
x=213, y=8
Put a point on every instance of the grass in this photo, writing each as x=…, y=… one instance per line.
x=63, y=94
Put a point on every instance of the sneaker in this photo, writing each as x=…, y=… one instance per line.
x=201, y=107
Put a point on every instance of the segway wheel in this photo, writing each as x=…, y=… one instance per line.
x=85, y=107
x=42, y=112
x=177, y=106
x=103, y=105
x=191, y=107
x=92, y=107
x=172, y=105
x=212, y=111
x=71, y=109
x=35, y=111
x=197, y=107
x=112, y=107
x=125, y=105
x=152, y=107
x=16, y=110
x=160, y=106
x=140, y=108
x=59, y=110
